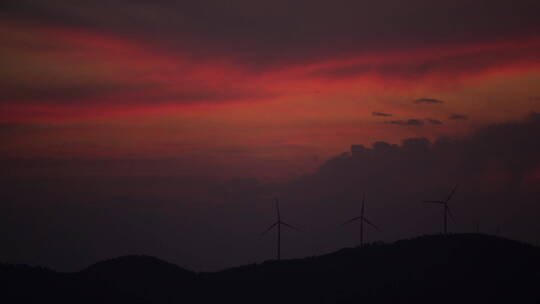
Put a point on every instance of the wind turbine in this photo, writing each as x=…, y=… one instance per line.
x=447, y=211
x=278, y=223
x=362, y=220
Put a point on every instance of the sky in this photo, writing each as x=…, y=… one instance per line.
x=160, y=110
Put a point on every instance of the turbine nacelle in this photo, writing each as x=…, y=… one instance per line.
x=447, y=211
x=278, y=224
x=362, y=220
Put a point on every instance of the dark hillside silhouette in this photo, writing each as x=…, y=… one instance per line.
x=25, y=284
x=146, y=277
x=457, y=268
x=433, y=269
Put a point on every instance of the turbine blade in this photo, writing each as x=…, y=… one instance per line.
x=351, y=220
x=434, y=202
x=370, y=223
x=451, y=215
x=363, y=202
x=268, y=229
x=290, y=226
x=451, y=194
x=277, y=209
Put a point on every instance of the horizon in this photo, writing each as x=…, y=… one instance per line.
x=374, y=244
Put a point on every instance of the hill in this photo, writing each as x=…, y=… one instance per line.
x=430, y=269
x=25, y=284
x=145, y=277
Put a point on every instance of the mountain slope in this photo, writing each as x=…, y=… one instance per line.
x=464, y=268
x=146, y=277
x=25, y=284
x=430, y=269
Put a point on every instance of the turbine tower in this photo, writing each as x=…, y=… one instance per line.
x=278, y=223
x=446, y=209
x=362, y=220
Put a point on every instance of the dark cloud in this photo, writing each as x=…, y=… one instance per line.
x=98, y=94
x=11, y=130
x=381, y=114
x=496, y=168
x=428, y=100
x=434, y=121
x=408, y=122
x=65, y=94
x=18, y=128
x=458, y=117
x=348, y=71
x=264, y=32
x=450, y=65
x=148, y=207
x=265, y=35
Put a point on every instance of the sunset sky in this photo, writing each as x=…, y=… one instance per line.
x=263, y=89
x=124, y=105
